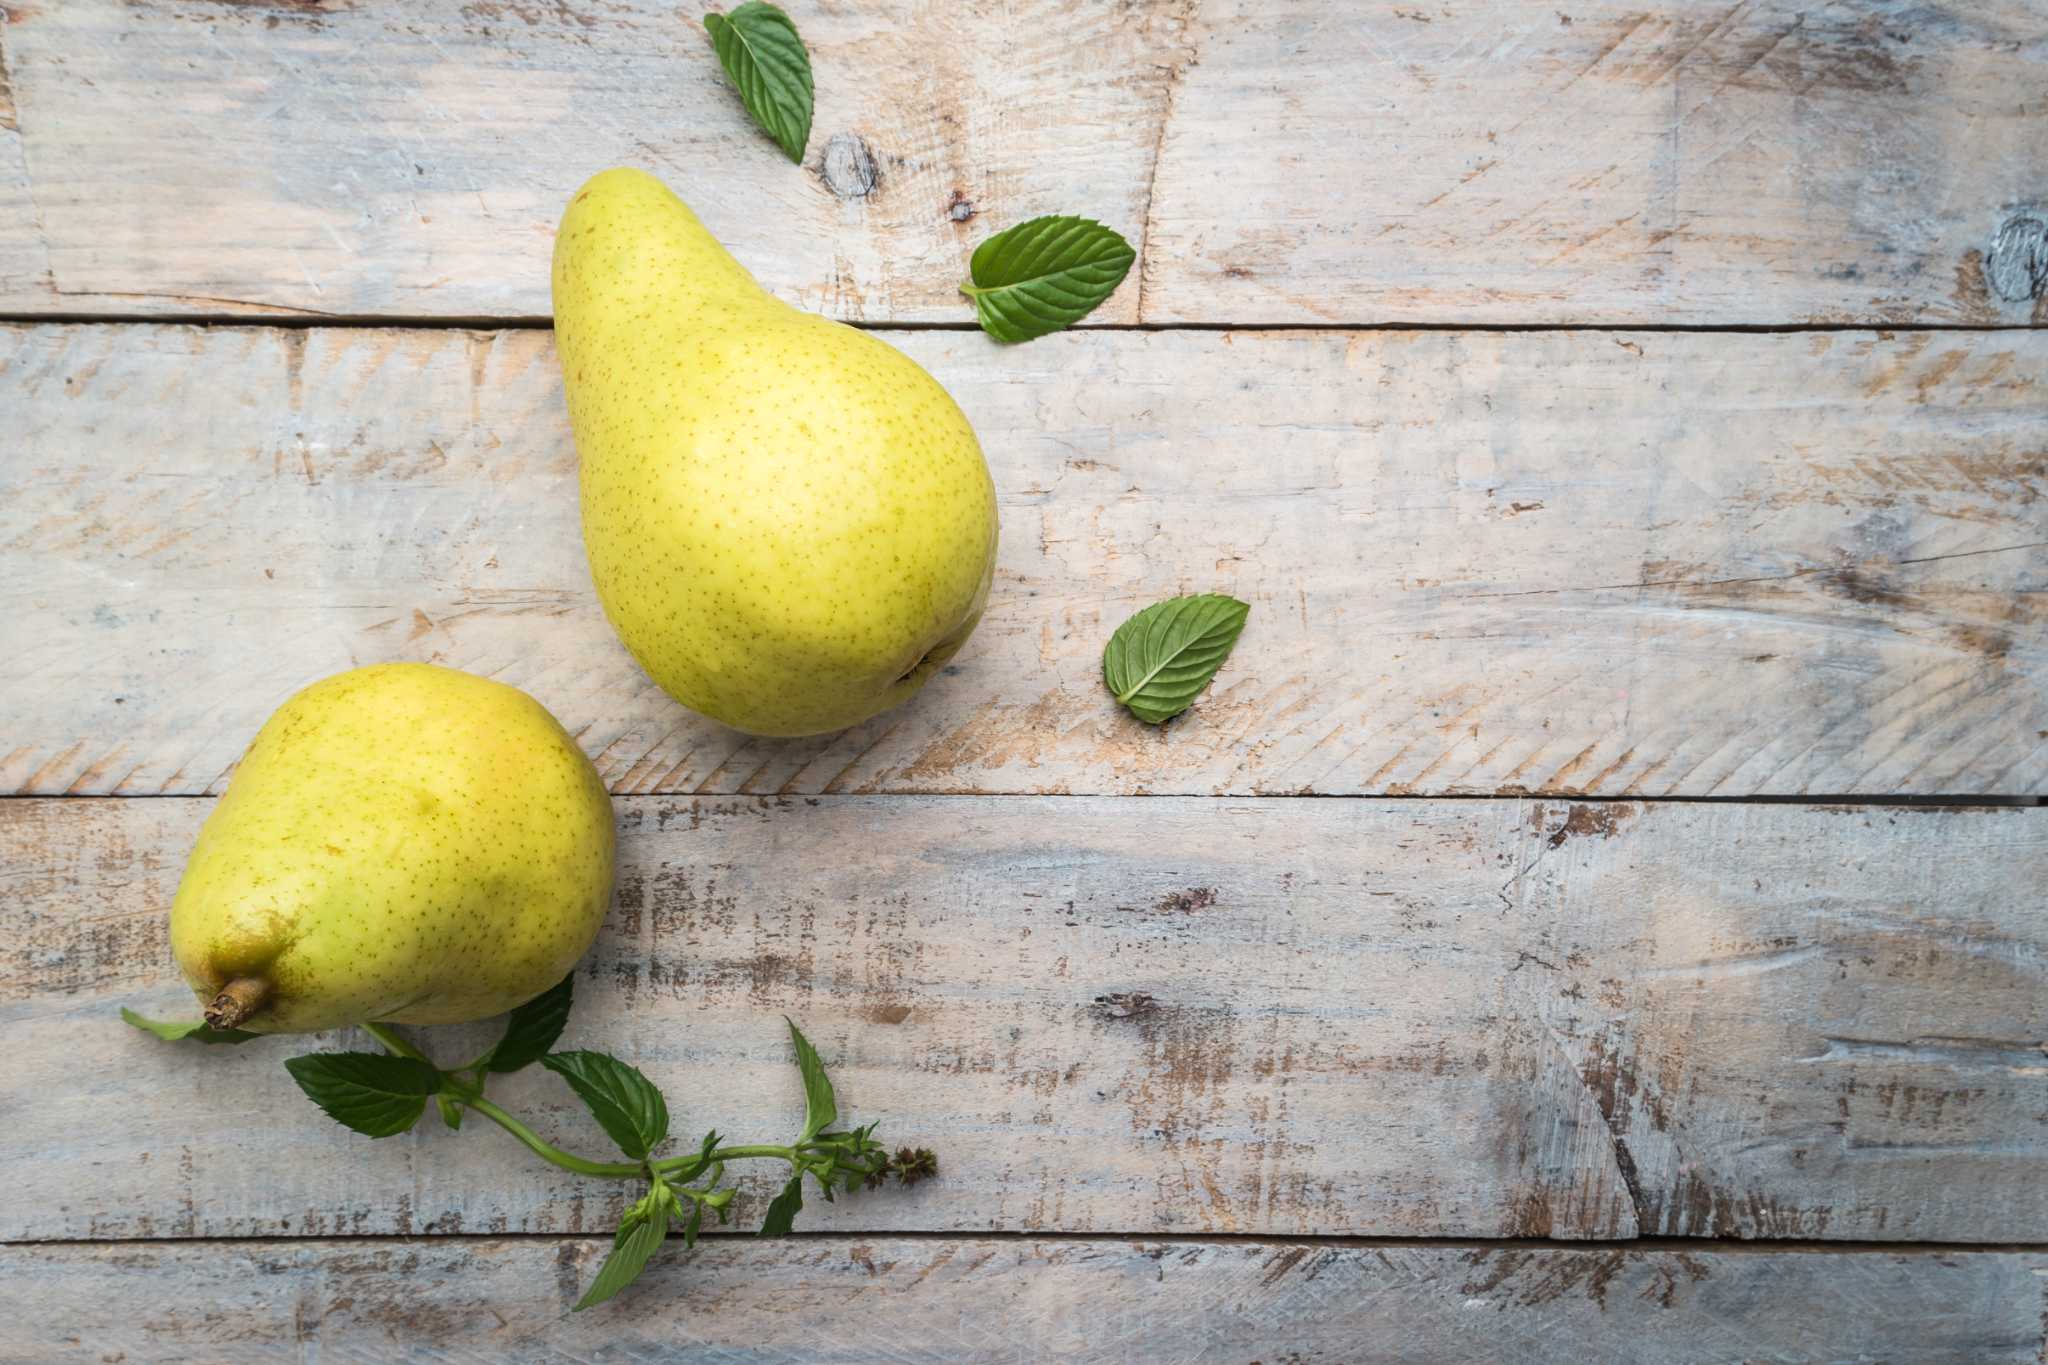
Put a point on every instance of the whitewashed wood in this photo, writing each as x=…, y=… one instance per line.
x=1407, y=1018
x=24, y=272
x=1640, y=564
x=353, y=158
x=1761, y=161
x=901, y=1300
x=1274, y=160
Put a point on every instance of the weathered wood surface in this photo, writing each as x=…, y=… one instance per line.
x=1639, y=564
x=1399, y=1018
x=1597, y=161
x=903, y=1300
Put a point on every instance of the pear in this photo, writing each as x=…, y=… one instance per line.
x=401, y=843
x=790, y=524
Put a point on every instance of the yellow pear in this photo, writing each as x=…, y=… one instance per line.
x=401, y=843
x=789, y=522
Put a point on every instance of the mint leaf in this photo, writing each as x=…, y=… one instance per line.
x=624, y=1102
x=783, y=1211
x=821, y=1111
x=198, y=1030
x=1044, y=275
x=533, y=1028
x=1161, y=658
x=371, y=1092
x=759, y=48
x=640, y=1235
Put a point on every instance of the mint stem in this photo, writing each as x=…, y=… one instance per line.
x=617, y=1170
x=393, y=1043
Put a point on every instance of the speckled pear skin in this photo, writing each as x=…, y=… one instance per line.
x=790, y=524
x=402, y=843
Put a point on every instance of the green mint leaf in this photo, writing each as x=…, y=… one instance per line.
x=371, y=1092
x=759, y=48
x=533, y=1028
x=692, y=1226
x=783, y=1211
x=821, y=1111
x=624, y=1102
x=198, y=1030
x=640, y=1235
x=1161, y=658
x=1045, y=275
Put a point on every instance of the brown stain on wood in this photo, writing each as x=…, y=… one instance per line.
x=1280, y=1263
x=1533, y=1279
x=1989, y=642
x=1973, y=293
x=1938, y=374
x=1121, y=1005
x=998, y=734
x=1812, y=55
x=1863, y=586
x=310, y=13
x=1603, y=821
x=1188, y=901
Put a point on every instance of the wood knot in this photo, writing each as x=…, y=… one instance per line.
x=848, y=168
x=2016, y=267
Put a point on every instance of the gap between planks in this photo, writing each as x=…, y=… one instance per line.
x=532, y=322
x=1892, y=801
x=1649, y=1245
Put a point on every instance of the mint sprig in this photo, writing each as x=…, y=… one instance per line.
x=758, y=46
x=1159, y=661
x=1045, y=275
x=382, y=1094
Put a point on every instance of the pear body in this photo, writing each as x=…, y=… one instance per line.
x=789, y=522
x=401, y=843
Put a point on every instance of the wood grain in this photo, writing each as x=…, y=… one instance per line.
x=1401, y=1018
x=1768, y=160
x=1276, y=161
x=1641, y=564
x=902, y=1300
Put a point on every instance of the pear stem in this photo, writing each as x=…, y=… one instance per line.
x=237, y=1000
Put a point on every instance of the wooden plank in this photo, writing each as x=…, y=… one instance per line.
x=346, y=158
x=1627, y=162
x=24, y=270
x=902, y=1300
x=1276, y=161
x=1643, y=564
x=1401, y=1018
